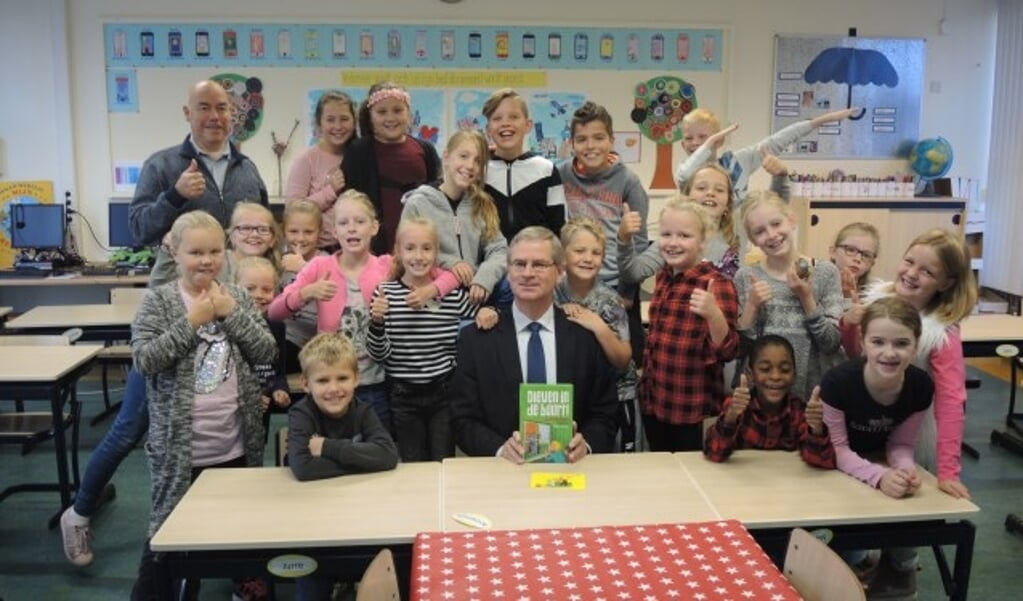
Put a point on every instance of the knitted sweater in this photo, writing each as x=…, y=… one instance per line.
x=163, y=347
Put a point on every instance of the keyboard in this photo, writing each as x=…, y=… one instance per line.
x=6, y=274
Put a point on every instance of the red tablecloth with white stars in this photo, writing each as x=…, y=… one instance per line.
x=702, y=561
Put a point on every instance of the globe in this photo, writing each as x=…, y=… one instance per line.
x=931, y=158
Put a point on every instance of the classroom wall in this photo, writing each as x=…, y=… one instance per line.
x=956, y=102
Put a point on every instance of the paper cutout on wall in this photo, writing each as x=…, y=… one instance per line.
x=659, y=106
x=246, y=94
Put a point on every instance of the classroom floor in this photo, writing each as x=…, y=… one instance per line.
x=32, y=564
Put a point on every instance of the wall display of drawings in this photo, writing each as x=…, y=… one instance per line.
x=347, y=45
x=883, y=76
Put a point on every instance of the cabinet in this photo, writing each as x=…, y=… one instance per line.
x=898, y=221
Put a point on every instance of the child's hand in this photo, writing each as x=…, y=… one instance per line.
x=419, y=298
x=202, y=310
x=895, y=483
x=464, y=273
x=316, y=445
x=914, y=480
x=740, y=400
x=814, y=413
x=584, y=317
x=335, y=179
x=323, y=289
x=759, y=292
x=800, y=287
x=223, y=302
x=631, y=223
x=704, y=303
x=292, y=262
x=954, y=488
x=486, y=318
x=771, y=163
x=716, y=140
x=378, y=308
x=281, y=398
x=850, y=289
x=264, y=402
x=855, y=313
x=477, y=294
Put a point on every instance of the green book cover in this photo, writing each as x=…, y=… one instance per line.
x=545, y=421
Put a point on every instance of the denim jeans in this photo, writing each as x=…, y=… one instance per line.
x=129, y=427
x=378, y=396
x=422, y=420
x=314, y=588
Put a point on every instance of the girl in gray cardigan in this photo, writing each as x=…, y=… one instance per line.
x=195, y=340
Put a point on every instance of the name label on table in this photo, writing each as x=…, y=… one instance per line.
x=291, y=566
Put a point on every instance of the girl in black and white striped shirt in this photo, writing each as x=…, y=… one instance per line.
x=417, y=347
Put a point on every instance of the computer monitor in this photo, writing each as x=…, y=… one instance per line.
x=120, y=235
x=39, y=226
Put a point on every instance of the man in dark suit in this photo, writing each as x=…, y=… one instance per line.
x=492, y=363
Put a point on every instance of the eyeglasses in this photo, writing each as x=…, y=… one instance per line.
x=852, y=251
x=537, y=266
x=262, y=230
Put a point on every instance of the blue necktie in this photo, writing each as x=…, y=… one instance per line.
x=536, y=364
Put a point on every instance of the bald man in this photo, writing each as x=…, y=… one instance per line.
x=205, y=172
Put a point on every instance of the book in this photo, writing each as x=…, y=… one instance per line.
x=545, y=421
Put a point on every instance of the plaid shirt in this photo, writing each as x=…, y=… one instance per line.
x=785, y=431
x=682, y=380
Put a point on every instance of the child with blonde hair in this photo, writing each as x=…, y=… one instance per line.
x=692, y=334
x=594, y=306
x=417, y=347
x=786, y=295
x=196, y=340
x=935, y=278
x=302, y=224
x=332, y=432
x=386, y=162
x=315, y=175
x=342, y=285
x=469, y=230
x=854, y=252
x=252, y=232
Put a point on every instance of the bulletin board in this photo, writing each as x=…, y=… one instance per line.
x=883, y=76
x=275, y=72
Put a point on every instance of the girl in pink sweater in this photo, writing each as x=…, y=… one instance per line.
x=342, y=286
x=316, y=173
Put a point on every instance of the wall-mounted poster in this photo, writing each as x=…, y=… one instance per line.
x=881, y=76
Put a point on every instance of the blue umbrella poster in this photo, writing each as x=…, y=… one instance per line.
x=883, y=77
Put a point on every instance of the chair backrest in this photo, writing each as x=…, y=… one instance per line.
x=379, y=581
x=124, y=296
x=28, y=340
x=817, y=572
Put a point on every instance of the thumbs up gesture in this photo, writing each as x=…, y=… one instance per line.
x=771, y=163
x=704, y=303
x=631, y=223
x=378, y=309
x=739, y=402
x=322, y=289
x=759, y=291
x=849, y=290
x=815, y=412
x=191, y=184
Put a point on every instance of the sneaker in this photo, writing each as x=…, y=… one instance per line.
x=866, y=570
x=892, y=585
x=76, y=540
x=251, y=589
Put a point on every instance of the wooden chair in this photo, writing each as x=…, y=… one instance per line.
x=817, y=572
x=380, y=580
x=115, y=354
x=29, y=428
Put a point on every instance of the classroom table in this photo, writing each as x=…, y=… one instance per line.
x=982, y=335
x=234, y=521
x=628, y=488
x=771, y=492
x=71, y=288
x=46, y=372
x=99, y=322
x=717, y=560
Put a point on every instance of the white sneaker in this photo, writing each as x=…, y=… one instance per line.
x=76, y=540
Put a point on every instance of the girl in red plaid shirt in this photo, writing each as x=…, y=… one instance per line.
x=767, y=415
x=692, y=334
